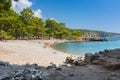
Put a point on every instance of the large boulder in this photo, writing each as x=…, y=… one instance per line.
x=111, y=64
x=75, y=61
x=89, y=57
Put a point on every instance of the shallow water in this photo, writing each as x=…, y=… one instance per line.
x=80, y=48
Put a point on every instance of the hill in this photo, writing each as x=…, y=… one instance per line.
x=99, y=33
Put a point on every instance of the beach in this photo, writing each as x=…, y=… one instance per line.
x=32, y=56
x=30, y=52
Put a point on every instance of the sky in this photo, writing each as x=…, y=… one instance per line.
x=77, y=14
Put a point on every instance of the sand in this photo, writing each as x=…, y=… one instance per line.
x=29, y=52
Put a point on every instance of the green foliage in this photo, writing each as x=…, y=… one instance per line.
x=4, y=35
x=26, y=26
x=56, y=30
x=5, y=4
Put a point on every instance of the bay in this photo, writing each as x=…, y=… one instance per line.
x=80, y=48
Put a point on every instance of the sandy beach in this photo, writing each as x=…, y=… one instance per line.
x=30, y=52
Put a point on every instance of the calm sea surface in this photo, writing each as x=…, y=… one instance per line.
x=80, y=48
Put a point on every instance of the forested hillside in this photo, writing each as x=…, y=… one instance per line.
x=25, y=25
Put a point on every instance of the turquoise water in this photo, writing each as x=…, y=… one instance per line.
x=80, y=48
x=113, y=38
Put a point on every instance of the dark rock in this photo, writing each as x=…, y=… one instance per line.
x=96, y=62
x=71, y=75
x=100, y=52
x=4, y=64
x=112, y=78
x=83, y=63
x=7, y=78
x=106, y=51
x=88, y=57
x=80, y=63
x=69, y=60
x=52, y=66
x=111, y=64
x=113, y=74
x=59, y=68
x=26, y=74
x=19, y=73
x=26, y=71
x=4, y=77
x=96, y=56
x=77, y=63
x=118, y=57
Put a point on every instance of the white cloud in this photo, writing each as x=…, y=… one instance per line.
x=37, y=13
x=20, y=5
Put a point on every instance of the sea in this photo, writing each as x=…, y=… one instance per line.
x=80, y=48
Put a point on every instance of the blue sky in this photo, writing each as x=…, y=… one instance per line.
x=82, y=14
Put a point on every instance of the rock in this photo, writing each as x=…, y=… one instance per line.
x=18, y=73
x=4, y=64
x=80, y=63
x=62, y=67
x=88, y=57
x=71, y=75
x=113, y=74
x=111, y=64
x=26, y=74
x=52, y=66
x=83, y=63
x=69, y=60
x=112, y=78
x=96, y=56
x=100, y=52
x=4, y=77
x=96, y=62
x=26, y=71
x=77, y=61
x=59, y=68
x=106, y=51
x=34, y=65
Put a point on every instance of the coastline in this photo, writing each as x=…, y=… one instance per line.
x=31, y=55
x=31, y=52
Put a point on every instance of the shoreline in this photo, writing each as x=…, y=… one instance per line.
x=33, y=51
x=21, y=56
x=23, y=52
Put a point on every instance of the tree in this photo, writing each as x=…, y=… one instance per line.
x=27, y=16
x=7, y=17
x=39, y=30
x=61, y=31
x=26, y=25
x=50, y=27
x=5, y=4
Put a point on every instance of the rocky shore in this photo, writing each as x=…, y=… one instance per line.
x=104, y=65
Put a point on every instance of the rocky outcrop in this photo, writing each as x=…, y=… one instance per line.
x=74, y=68
x=15, y=72
x=97, y=39
x=110, y=59
x=75, y=61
